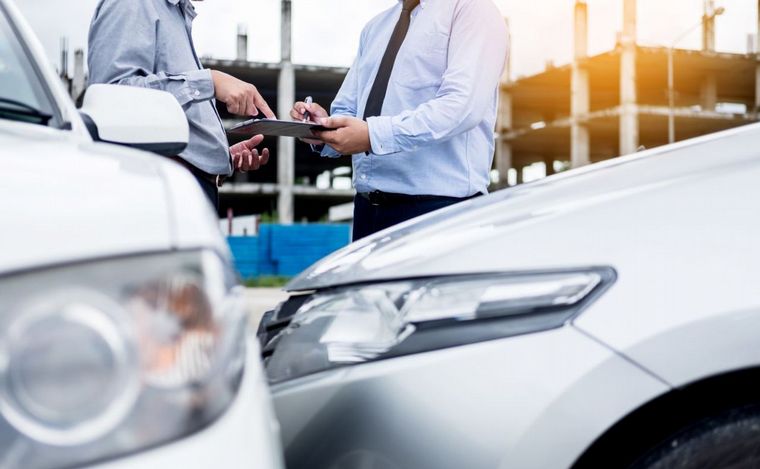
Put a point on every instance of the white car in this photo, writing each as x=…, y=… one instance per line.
x=607, y=317
x=122, y=326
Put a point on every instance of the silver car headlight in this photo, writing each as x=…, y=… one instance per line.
x=106, y=358
x=370, y=322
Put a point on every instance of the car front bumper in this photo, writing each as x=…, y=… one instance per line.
x=245, y=436
x=533, y=401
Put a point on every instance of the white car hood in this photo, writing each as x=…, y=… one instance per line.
x=62, y=199
x=567, y=215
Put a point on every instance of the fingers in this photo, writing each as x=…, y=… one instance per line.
x=253, y=142
x=236, y=161
x=329, y=137
x=298, y=111
x=245, y=162
x=250, y=107
x=334, y=122
x=317, y=111
x=248, y=160
x=256, y=160
x=262, y=104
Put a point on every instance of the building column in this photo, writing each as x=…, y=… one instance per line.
x=286, y=147
x=242, y=42
x=708, y=27
x=629, y=119
x=709, y=87
x=79, y=81
x=580, y=142
x=709, y=92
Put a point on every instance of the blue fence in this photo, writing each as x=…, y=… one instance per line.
x=285, y=251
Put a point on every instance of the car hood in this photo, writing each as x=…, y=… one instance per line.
x=559, y=218
x=63, y=199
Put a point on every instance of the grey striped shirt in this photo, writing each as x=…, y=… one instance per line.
x=149, y=43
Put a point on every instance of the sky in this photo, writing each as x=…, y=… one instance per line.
x=326, y=32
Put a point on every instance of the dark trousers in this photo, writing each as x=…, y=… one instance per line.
x=369, y=218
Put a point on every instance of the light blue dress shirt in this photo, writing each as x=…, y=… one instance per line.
x=436, y=132
x=148, y=43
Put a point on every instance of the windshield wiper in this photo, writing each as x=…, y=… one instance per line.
x=16, y=110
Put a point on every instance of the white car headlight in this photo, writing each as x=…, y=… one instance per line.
x=106, y=358
x=370, y=322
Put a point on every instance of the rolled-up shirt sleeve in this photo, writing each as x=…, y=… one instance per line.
x=122, y=51
x=476, y=57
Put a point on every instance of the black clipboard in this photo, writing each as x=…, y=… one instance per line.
x=275, y=128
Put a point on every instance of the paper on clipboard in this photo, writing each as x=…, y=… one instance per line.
x=275, y=128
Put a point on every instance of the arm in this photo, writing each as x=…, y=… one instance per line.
x=345, y=104
x=477, y=53
x=124, y=53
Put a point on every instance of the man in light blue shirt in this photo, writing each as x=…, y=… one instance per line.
x=149, y=43
x=418, y=109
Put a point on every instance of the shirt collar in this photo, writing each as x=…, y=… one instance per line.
x=186, y=6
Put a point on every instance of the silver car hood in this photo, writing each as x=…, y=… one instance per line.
x=486, y=234
x=63, y=199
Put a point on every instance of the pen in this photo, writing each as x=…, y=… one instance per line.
x=307, y=115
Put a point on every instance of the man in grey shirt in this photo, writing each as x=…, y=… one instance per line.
x=148, y=43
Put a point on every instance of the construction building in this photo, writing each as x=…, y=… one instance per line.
x=621, y=101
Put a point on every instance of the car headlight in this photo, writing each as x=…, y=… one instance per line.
x=106, y=358
x=371, y=322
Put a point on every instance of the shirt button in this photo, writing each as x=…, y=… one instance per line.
x=197, y=93
x=364, y=176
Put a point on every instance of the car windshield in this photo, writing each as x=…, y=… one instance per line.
x=23, y=96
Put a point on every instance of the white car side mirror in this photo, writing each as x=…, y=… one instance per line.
x=140, y=118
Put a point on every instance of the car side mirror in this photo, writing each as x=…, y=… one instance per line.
x=141, y=118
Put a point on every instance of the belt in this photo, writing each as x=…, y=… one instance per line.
x=378, y=198
x=216, y=179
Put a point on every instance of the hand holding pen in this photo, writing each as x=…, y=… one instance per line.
x=308, y=111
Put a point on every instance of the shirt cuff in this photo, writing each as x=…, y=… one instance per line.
x=381, y=135
x=200, y=85
x=329, y=152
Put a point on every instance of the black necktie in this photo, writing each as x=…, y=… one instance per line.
x=380, y=87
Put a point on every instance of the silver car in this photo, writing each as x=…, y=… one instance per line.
x=605, y=317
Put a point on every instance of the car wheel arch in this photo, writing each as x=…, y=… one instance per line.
x=622, y=443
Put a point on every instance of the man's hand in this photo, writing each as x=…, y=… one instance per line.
x=349, y=135
x=245, y=156
x=316, y=112
x=240, y=97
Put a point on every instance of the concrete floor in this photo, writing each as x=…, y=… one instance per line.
x=261, y=300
